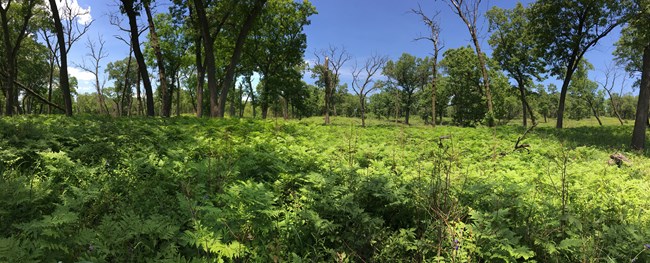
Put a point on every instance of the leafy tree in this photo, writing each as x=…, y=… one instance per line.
x=566, y=29
x=635, y=40
x=122, y=91
x=252, y=12
x=514, y=50
x=463, y=81
x=586, y=90
x=468, y=11
x=64, y=82
x=409, y=73
x=276, y=50
x=131, y=9
x=15, y=20
x=173, y=44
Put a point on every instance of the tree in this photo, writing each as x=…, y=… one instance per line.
x=276, y=51
x=361, y=84
x=514, y=50
x=635, y=39
x=567, y=29
x=96, y=55
x=246, y=27
x=14, y=23
x=612, y=74
x=155, y=45
x=468, y=11
x=74, y=22
x=64, y=83
x=121, y=72
x=409, y=73
x=434, y=37
x=171, y=55
x=463, y=81
x=336, y=58
x=130, y=8
x=587, y=90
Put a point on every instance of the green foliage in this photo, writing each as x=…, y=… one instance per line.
x=200, y=190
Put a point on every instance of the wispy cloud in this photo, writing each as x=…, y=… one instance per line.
x=80, y=74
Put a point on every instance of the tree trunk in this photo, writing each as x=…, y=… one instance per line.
x=565, y=87
x=434, y=88
x=50, y=82
x=328, y=88
x=153, y=38
x=142, y=66
x=522, y=96
x=200, y=79
x=595, y=112
x=252, y=94
x=64, y=82
x=138, y=95
x=407, y=112
x=484, y=72
x=178, y=96
x=236, y=55
x=362, y=101
x=265, y=109
x=209, y=55
x=127, y=83
x=614, y=106
x=638, y=135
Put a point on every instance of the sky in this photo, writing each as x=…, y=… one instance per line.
x=362, y=27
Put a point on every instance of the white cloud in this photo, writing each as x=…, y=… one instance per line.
x=82, y=15
x=80, y=74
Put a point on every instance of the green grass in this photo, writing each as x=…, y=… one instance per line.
x=104, y=189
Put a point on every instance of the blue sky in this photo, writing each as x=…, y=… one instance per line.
x=363, y=27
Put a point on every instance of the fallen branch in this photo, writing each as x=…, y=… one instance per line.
x=524, y=146
x=33, y=93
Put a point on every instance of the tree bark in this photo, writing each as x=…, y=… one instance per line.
x=236, y=55
x=638, y=134
x=155, y=44
x=328, y=84
x=208, y=43
x=522, y=96
x=142, y=66
x=64, y=82
x=252, y=94
x=200, y=79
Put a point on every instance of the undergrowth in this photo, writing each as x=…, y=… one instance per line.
x=100, y=189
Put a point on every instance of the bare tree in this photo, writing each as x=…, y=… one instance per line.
x=335, y=58
x=96, y=55
x=434, y=37
x=611, y=73
x=468, y=11
x=362, y=89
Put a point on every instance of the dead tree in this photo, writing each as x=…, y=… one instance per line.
x=96, y=55
x=362, y=89
x=434, y=37
x=608, y=86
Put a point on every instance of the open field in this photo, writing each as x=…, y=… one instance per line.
x=202, y=190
